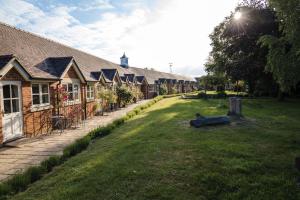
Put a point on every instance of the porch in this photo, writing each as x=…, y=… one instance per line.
x=21, y=154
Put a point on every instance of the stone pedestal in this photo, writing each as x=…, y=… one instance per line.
x=235, y=106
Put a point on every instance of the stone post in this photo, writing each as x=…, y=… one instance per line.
x=235, y=106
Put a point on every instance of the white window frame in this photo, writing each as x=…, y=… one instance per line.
x=40, y=95
x=79, y=94
x=90, y=90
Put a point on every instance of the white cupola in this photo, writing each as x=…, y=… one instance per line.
x=124, y=61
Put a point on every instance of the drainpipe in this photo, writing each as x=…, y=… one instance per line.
x=84, y=87
x=57, y=98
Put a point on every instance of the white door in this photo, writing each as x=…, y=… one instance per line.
x=12, y=119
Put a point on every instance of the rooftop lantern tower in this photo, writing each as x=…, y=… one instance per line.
x=124, y=61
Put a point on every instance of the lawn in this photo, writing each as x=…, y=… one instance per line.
x=156, y=155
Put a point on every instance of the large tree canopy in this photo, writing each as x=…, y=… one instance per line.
x=236, y=51
x=284, y=50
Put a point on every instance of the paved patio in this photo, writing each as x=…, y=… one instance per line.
x=21, y=154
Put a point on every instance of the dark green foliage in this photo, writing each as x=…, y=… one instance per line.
x=51, y=162
x=202, y=95
x=221, y=94
x=4, y=190
x=76, y=147
x=19, y=183
x=236, y=51
x=124, y=94
x=163, y=90
x=218, y=95
x=210, y=82
x=119, y=122
x=35, y=173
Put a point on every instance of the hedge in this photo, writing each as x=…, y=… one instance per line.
x=20, y=182
x=219, y=95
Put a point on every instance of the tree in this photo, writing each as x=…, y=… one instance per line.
x=283, y=59
x=163, y=89
x=137, y=93
x=125, y=96
x=236, y=52
x=210, y=82
x=107, y=96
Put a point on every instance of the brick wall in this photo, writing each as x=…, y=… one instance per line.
x=90, y=109
x=38, y=122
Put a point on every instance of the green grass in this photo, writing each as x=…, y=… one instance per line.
x=228, y=92
x=156, y=155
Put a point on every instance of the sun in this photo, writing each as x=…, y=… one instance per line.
x=237, y=15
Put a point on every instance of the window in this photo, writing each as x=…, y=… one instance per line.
x=40, y=94
x=90, y=92
x=11, y=99
x=72, y=91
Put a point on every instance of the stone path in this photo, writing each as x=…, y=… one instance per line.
x=21, y=154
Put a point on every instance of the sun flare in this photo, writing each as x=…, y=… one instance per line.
x=237, y=15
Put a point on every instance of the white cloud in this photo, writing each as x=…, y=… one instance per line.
x=95, y=5
x=175, y=31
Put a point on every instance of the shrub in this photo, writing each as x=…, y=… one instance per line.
x=4, y=189
x=173, y=90
x=202, y=95
x=124, y=94
x=76, y=147
x=119, y=122
x=220, y=88
x=221, y=94
x=51, y=162
x=18, y=183
x=35, y=173
x=107, y=130
x=163, y=90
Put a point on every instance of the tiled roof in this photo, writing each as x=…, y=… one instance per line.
x=34, y=53
x=140, y=79
x=96, y=75
x=5, y=59
x=55, y=65
x=130, y=77
x=123, y=79
x=109, y=74
x=153, y=75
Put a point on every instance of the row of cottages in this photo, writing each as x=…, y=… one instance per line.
x=41, y=79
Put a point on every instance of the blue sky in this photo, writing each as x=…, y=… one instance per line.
x=153, y=33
